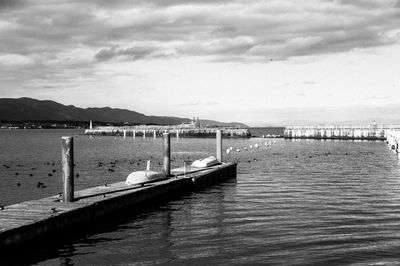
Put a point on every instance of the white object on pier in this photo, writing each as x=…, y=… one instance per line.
x=206, y=162
x=142, y=177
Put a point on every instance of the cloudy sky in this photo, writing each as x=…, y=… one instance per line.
x=258, y=62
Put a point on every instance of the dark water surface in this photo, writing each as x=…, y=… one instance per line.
x=293, y=203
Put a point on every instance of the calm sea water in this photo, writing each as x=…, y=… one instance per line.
x=293, y=203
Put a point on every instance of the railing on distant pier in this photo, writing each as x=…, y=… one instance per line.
x=157, y=131
x=367, y=132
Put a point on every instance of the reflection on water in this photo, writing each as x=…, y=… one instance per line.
x=293, y=203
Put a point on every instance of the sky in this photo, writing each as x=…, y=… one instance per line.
x=268, y=62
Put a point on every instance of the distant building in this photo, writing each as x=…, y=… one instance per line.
x=194, y=123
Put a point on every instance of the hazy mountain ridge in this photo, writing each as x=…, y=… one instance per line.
x=28, y=109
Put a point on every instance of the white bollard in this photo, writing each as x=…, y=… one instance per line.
x=148, y=165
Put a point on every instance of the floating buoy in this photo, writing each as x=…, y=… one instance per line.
x=237, y=150
x=245, y=148
x=255, y=145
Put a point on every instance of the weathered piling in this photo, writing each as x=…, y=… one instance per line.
x=68, y=168
x=167, y=154
x=219, y=145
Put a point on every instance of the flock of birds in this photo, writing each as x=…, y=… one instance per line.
x=112, y=165
x=255, y=146
x=39, y=184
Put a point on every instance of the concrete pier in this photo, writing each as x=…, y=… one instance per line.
x=178, y=132
x=362, y=132
x=393, y=139
x=29, y=221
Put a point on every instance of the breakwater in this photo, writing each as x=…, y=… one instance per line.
x=352, y=132
x=157, y=131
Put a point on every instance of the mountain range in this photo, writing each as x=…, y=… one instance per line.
x=28, y=109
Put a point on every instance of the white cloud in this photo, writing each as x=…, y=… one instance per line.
x=122, y=50
x=14, y=60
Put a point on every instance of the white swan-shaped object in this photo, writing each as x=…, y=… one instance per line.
x=142, y=177
x=206, y=162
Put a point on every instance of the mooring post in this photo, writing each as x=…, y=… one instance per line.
x=219, y=145
x=124, y=134
x=167, y=154
x=68, y=168
x=134, y=134
x=154, y=134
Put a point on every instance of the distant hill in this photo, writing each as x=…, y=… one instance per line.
x=212, y=123
x=27, y=109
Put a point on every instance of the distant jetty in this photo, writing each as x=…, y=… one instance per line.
x=176, y=131
x=185, y=130
x=351, y=132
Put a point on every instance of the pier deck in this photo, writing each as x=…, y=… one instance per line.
x=28, y=221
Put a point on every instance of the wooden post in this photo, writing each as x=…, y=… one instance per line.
x=134, y=134
x=68, y=168
x=177, y=134
x=154, y=134
x=167, y=154
x=124, y=134
x=144, y=134
x=219, y=145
